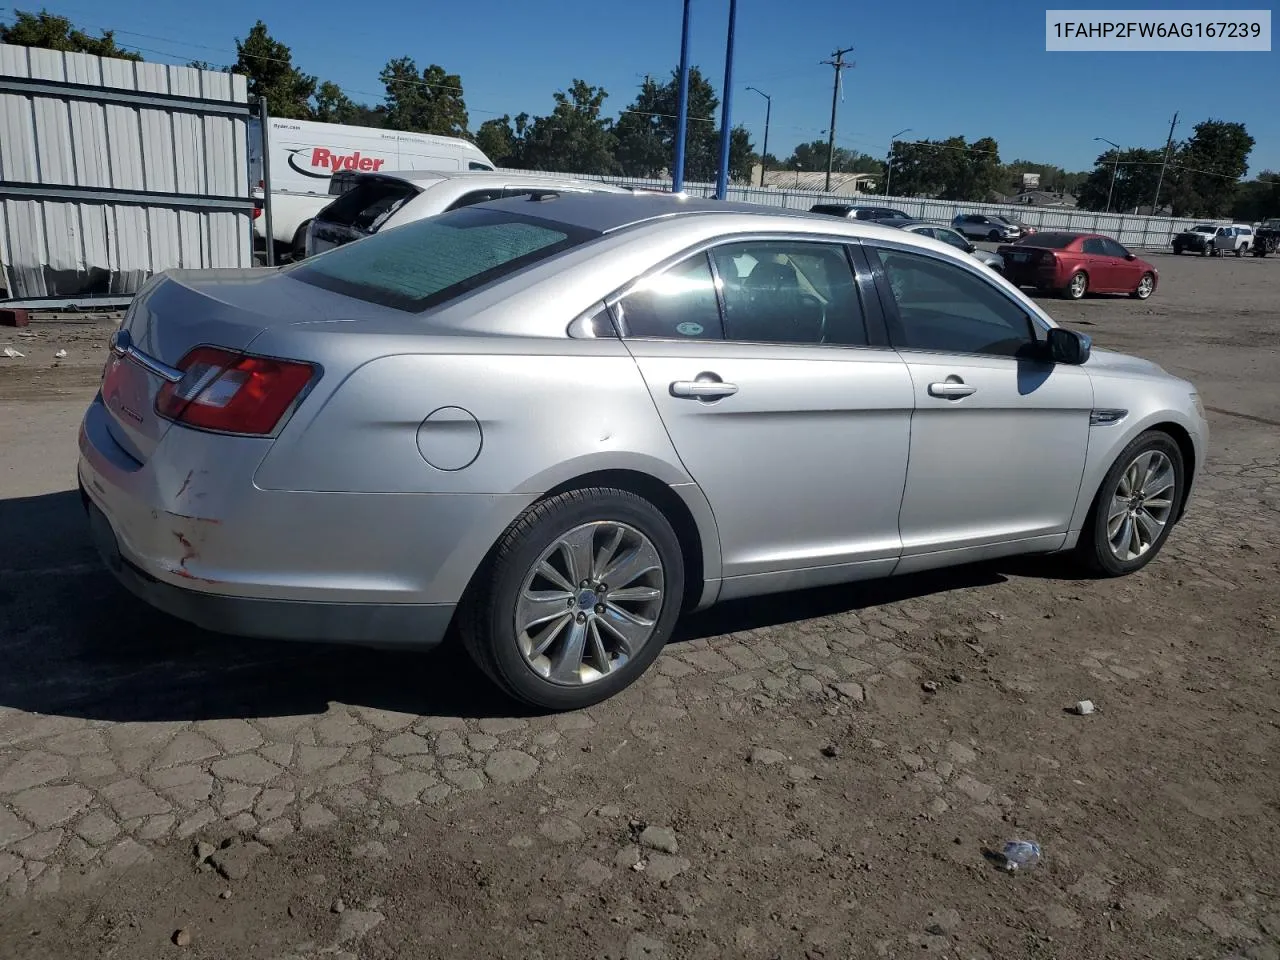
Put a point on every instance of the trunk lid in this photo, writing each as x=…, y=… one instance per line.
x=180, y=310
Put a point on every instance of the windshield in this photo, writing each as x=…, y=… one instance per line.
x=432, y=261
x=1054, y=241
x=1204, y=228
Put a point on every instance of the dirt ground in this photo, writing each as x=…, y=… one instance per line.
x=780, y=785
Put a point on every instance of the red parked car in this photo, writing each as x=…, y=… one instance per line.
x=1073, y=264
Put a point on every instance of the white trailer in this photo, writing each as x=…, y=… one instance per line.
x=306, y=154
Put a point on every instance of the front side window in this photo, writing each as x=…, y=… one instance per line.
x=943, y=307
x=953, y=238
x=1114, y=249
x=677, y=304
x=789, y=292
x=429, y=262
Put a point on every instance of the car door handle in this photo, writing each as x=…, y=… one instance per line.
x=951, y=389
x=703, y=389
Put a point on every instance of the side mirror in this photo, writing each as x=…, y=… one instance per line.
x=1067, y=346
x=1131, y=256
x=970, y=247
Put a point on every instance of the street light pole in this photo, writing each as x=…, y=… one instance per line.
x=889, y=161
x=1115, y=168
x=682, y=111
x=722, y=181
x=768, y=110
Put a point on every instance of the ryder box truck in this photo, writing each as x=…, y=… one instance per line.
x=305, y=155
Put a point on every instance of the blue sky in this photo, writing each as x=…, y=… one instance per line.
x=939, y=67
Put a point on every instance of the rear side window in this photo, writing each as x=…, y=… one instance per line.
x=676, y=304
x=368, y=204
x=476, y=196
x=429, y=262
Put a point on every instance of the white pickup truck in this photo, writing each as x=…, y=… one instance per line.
x=305, y=155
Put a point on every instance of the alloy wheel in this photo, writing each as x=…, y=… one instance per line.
x=590, y=603
x=1141, y=505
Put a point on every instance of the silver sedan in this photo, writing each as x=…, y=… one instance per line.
x=555, y=423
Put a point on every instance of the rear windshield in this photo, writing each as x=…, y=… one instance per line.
x=1205, y=228
x=1054, y=241
x=431, y=261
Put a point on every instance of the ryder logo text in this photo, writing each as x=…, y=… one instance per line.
x=323, y=162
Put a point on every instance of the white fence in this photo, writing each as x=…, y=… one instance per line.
x=111, y=171
x=1148, y=233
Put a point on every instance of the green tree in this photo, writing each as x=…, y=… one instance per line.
x=950, y=169
x=812, y=157
x=51, y=32
x=1208, y=167
x=427, y=102
x=573, y=138
x=742, y=155
x=646, y=131
x=1136, y=177
x=334, y=106
x=1258, y=199
x=1052, y=177
x=501, y=141
x=268, y=64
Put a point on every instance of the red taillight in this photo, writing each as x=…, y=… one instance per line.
x=257, y=212
x=1047, y=258
x=232, y=393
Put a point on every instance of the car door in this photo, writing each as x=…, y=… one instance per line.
x=785, y=404
x=1126, y=272
x=998, y=436
x=1100, y=266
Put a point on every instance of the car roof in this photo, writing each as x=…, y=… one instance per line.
x=474, y=179
x=608, y=212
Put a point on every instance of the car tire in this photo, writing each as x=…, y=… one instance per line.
x=509, y=654
x=1097, y=549
x=1077, y=286
x=1145, y=289
x=1242, y=250
x=1207, y=250
x=993, y=236
x=1177, y=251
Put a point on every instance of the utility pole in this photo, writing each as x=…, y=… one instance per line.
x=768, y=112
x=1155, y=201
x=836, y=61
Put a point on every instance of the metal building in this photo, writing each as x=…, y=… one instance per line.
x=112, y=170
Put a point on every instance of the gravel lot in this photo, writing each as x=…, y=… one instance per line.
x=780, y=785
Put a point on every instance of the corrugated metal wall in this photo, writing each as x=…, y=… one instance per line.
x=55, y=246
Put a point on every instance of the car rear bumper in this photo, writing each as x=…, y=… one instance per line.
x=397, y=625
x=191, y=534
x=1024, y=275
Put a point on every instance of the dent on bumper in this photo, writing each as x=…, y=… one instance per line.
x=400, y=625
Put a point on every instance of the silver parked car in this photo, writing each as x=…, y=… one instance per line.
x=557, y=422
x=369, y=202
x=951, y=238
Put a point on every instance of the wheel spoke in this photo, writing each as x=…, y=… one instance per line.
x=604, y=663
x=545, y=569
x=604, y=556
x=1135, y=540
x=630, y=566
x=635, y=595
x=575, y=547
x=536, y=607
x=1151, y=527
x=631, y=630
x=1159, y=503
x=1118, y=506
x=567, y=663
x=1121, y=536
x=548, y=636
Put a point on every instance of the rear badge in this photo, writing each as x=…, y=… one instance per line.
x=689, y=329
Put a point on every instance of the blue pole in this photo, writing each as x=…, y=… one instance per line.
x=682, y=120
x=722, y=181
